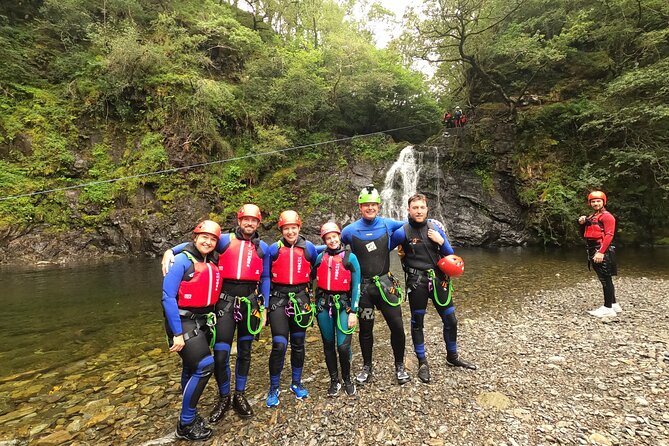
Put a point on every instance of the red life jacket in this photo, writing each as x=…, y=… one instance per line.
x=203, y=289
x=291, y=266
x=331, y=274
x=594, y=228
x=240, y=260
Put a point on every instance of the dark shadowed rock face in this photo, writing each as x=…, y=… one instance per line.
x=477, y=208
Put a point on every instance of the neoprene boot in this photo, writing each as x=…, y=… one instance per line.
x=220, y=409
x=241, y=405
x=455, y=361
x=194, y=431
x=424, y=372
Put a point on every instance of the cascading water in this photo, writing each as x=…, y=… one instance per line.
x=400, y=183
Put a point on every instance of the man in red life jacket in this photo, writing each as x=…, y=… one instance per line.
x=598, y=229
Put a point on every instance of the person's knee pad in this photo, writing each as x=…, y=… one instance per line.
x=208, y=369
x=417, y=319
x=279, y=344
x=449, y=319
x=344, y=349
x=297, y=342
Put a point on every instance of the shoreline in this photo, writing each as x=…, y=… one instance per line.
x=548, y=373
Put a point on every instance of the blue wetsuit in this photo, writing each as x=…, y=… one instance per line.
x=370, y=241
x=286, y=327
x=420, y=256
x=334, y=340
x=226, y=324
x=198, y=362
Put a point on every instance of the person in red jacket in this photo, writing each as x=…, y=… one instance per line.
x=598, y=229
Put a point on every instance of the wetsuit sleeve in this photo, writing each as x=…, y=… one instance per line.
x=264, y=276
x=394, y=225
x=609, y=222
x=346, y=234
x=397, y=238
x=177, y=249
x=223, y=243
x=317, y=263
x=171, y=284
x=355, y=281
x=272, y=253
x=446, y=248
x=313, y=254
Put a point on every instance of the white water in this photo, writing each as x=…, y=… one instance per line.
x=400, y=183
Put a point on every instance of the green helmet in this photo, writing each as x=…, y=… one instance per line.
x=369, y=194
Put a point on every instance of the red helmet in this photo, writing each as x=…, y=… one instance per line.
x=249, y=210
x=289, y=218
x=597, y=194
x=452, y=265
x=208, y=227
x=329, y=227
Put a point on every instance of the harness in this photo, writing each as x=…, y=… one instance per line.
x=337, y=300
x=294, y=303
x=253, y=308
x=201, y=320
x=393, y=287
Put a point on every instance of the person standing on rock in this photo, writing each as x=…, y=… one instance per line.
x=240, y=307
x=190, y=292
x=598, y=230
x=423, y=244
x=337, y=274
x=369, y=239
x=291, y=312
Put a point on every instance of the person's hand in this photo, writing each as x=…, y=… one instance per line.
x=581, y=220
x=178, y=343
x=168, y=260
x=435, y=237
x=598, y=257
x=352, y=320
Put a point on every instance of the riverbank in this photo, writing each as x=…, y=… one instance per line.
x=548, y=374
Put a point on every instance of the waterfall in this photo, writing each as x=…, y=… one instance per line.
x=400, y=183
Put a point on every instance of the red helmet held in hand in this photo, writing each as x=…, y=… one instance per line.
x=208, y=227
x=597, y=194
x=249, y=210
x=452, y=265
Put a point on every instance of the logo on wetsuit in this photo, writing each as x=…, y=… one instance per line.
x=371, y=246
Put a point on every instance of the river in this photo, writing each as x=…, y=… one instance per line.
x=55, y=319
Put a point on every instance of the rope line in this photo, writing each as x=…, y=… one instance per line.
x=193, y=166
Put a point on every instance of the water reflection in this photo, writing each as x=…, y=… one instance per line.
x=55, y=316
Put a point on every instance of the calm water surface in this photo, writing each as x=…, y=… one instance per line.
x=55, y=316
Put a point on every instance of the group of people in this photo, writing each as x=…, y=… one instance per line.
x=219, y=283
x=456, y=119
x=225, y=282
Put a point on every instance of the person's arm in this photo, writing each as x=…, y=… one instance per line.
x=168, y=257
x=320, y=248
x=171, y=284
x=355, y=289
x=317, y=263
x=609, y=223
x=265, y=275
x=313, y=253
x=398, y=237
x=439, y=237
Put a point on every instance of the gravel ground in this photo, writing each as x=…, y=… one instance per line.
x=548, y=374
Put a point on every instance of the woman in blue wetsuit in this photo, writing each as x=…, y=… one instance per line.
x=289, y=261
x=337, y=274
x=190, y=292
